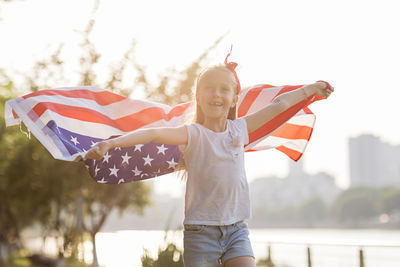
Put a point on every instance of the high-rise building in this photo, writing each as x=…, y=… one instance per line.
x=373, y=162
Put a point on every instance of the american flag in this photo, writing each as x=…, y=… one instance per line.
x=69, y=121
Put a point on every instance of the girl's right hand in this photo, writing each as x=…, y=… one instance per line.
x=98, y=151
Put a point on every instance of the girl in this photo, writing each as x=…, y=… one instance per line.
x=217, y=199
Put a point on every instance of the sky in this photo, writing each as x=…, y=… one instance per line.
x=352, y=44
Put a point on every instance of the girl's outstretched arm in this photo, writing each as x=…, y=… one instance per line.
x=285, y=101
x=164, y=135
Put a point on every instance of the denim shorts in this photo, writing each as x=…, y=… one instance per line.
x=212, y=245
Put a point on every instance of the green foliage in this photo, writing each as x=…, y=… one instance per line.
x=389, y=200
x=14, y=208
x=356, y=204
x=311, y=211
x=354, y=207
x=168, y=257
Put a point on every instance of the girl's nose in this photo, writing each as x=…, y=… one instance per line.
x=217, y=92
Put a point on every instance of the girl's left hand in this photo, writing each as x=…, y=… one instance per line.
x=323, y=89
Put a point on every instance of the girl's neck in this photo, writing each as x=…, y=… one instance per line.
x=216, y=125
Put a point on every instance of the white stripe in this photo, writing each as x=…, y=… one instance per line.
x=303, y=119
x=113, y=111
x=72, y=88
x=272, y=141
x=259, y=148
x=97, y=90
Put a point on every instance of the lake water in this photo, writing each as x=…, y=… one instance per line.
x=329, y=247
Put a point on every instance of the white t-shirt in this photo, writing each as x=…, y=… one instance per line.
x=217, y=191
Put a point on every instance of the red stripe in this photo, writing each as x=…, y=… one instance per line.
x=293, y=131
x=14, y=114
x=249, y=99
x=307, y=110
x=102, y=98
x=277, y=121
x=127, y=123
x=293, y=154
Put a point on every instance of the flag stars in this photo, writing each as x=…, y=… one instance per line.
x=126, y=158
x=117, y=148
x=147, y=160
x=113, y=171
x=106, y=157
x=136, y=171
x=102, y=181
x=138, y=147
x=161, y=149
x=96, y=170
x=172, y=164
x=74, y=140
x=93, y=143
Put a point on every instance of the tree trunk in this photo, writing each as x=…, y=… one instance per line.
x=95, y=262
x=2, y=254
x=60, y=261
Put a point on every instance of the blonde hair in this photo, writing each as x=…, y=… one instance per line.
x=199, y=116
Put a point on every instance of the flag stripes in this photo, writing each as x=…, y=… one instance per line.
x=68, y=121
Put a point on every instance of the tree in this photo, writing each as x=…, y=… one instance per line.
x=389, y=200
x=355, y=205
x=312, y=211
x=99, y=200
x=59, y=196
x=13, y=211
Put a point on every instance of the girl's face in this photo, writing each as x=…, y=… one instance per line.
x=216, y=93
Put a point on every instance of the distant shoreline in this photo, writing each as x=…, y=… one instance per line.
x=388, y=228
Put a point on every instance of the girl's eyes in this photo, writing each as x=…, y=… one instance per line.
x=225, y=89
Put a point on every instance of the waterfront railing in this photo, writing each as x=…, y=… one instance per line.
x=360, y=248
